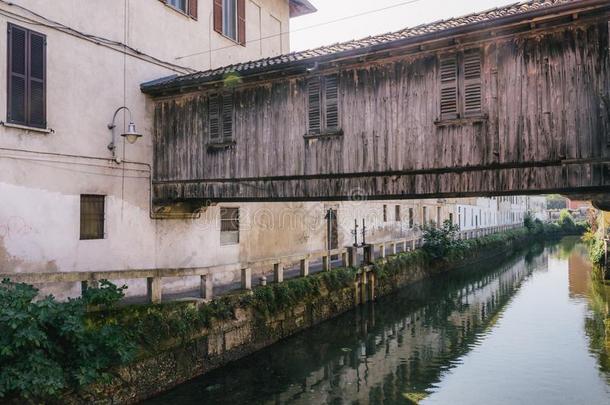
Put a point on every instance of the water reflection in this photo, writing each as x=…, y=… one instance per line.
x=441, y=341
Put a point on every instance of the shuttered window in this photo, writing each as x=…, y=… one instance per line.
x=220, y=108
x=26, y=77
x=229, y=226
x=92, y=209
x=460, y=84
x=472, y=83
x=323, y=104
x=449, y=87
x=230, y=19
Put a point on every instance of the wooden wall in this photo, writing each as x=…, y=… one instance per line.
x=546, y=98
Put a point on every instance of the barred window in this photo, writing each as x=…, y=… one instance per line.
x=229, y=226
x=92, y=216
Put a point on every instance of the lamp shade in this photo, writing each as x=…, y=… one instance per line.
x=131, y=135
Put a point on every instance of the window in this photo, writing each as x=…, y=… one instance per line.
x=424, y=216
x=26, y=77
x=323, y=98
x=186, y=6
x=230, y=19
x=411, y=218
x=385, y=213
x=397, y=213
x=92, y=216
x=178, y=4
x=460, y=84
x=438, y=216
x=229, y=226
x=220, y=108
x=451, y=218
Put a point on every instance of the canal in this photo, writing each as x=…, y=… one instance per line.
x=526, y=331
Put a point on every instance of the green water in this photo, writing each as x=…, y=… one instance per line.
x=525, y=331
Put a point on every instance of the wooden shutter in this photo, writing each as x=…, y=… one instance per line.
x=449, y=87
x=472, y=82
x=192, y=8
x=36, y=85
x=241, y=22
x=314, y=123
x=332, y=101
x=214, y=118
x=17, y=71
x=218, y=16
x=227, y=117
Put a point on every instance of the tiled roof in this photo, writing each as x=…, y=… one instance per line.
x=312, y=55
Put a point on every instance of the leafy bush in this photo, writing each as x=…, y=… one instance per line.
x=440, y=241
x=566, y=222
x=47, y=347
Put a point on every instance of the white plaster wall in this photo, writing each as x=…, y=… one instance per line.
x=86, y=83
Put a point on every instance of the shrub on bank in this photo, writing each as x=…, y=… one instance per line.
x=48, y=347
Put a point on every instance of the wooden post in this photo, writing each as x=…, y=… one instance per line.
x=207, y=287
x=371, y=283
x=154, y=289
x=363, y=287
x=368, y=254
x=304, y=267
x=278, y=272
x=326, y=263
x=246, y=279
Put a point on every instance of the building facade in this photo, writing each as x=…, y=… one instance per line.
x=73, y=198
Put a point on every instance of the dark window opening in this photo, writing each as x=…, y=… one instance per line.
x=26, y=77
x=411, y=218
x=385, y=213
x=397, y=213
x=92, y=209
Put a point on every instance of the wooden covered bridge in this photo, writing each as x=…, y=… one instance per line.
x=514, y=100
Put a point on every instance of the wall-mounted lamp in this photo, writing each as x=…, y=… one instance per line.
x=131, y=136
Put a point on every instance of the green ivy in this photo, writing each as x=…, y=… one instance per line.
x=47, y=347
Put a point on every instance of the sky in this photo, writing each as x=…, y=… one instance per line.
x=415, y=12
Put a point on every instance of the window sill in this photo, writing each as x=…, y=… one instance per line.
x=454, y=122
x=228, y=38
x=27, y=128
x=325, y=135
x=219, y=146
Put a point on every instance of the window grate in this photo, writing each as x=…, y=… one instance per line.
x=92, y=216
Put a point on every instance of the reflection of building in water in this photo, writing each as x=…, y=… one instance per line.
x=578, y=275
x=417, y=347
